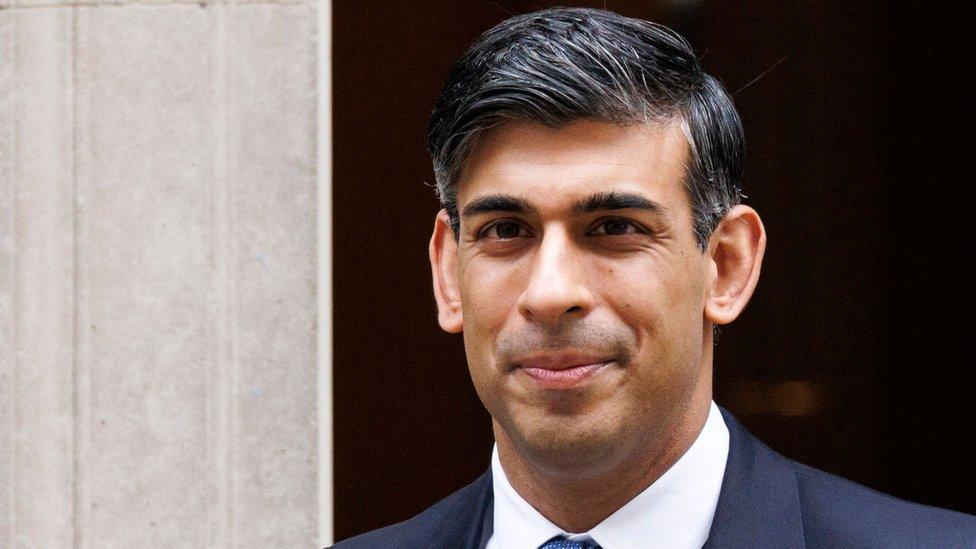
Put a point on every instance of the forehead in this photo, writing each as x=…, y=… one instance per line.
x=548, y=165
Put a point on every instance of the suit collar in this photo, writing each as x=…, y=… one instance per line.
x=469, y=523
x=759, y=505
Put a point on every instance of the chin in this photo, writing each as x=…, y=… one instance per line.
x=562, y=443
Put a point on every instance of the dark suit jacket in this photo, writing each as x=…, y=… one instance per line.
x=766, y=500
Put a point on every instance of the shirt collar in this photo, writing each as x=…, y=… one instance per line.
x=676, y=511
x=516, y=523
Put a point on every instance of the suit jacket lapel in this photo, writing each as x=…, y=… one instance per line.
x=469, y=524
x=759, y=505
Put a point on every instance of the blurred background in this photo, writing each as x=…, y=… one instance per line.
x=856, y=354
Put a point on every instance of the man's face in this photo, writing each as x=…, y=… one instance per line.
x=582, y=287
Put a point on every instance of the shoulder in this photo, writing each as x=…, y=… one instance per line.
x=459, y=515
x=837, y=512
x=766, y=496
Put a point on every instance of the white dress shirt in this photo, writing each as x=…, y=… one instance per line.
x=674, y=512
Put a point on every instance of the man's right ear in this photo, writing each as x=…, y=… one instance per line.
x=443, y=267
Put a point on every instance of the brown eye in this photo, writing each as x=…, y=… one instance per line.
x=613, y=227
x=505, y=230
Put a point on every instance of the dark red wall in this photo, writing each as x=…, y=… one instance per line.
x=858, y=163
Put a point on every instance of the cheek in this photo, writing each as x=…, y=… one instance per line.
x=488, y=296
x=488, y=293
x=660, y=302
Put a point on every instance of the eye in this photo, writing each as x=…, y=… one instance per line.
x=615, y=226
x=505, y=229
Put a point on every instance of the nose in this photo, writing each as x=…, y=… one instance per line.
x=556, y=290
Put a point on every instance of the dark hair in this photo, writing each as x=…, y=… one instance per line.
x=563, y=64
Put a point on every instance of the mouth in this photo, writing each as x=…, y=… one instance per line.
x=562, y=371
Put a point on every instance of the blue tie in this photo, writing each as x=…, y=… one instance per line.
x=560, y=542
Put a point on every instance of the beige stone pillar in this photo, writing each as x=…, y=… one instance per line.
x=158, y=266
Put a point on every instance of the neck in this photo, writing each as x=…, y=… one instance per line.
x=557, y=493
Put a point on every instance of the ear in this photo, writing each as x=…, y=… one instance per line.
x=736, y=250
x=443, y=267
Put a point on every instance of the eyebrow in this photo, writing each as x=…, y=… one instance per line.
x=497, y=203
x=611, y=200
x=597, y=202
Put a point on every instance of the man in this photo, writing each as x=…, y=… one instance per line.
x=591, y=239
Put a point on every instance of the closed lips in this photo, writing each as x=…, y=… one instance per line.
x=562, y=372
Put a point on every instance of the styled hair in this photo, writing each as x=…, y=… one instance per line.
x=559, y=65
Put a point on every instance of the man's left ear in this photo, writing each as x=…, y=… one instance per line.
x=736, y=250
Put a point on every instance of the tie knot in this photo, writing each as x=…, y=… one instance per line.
x=560, y=542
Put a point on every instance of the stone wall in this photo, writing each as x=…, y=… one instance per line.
x=158, y=263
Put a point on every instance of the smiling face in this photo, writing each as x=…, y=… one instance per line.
x=580, y=289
